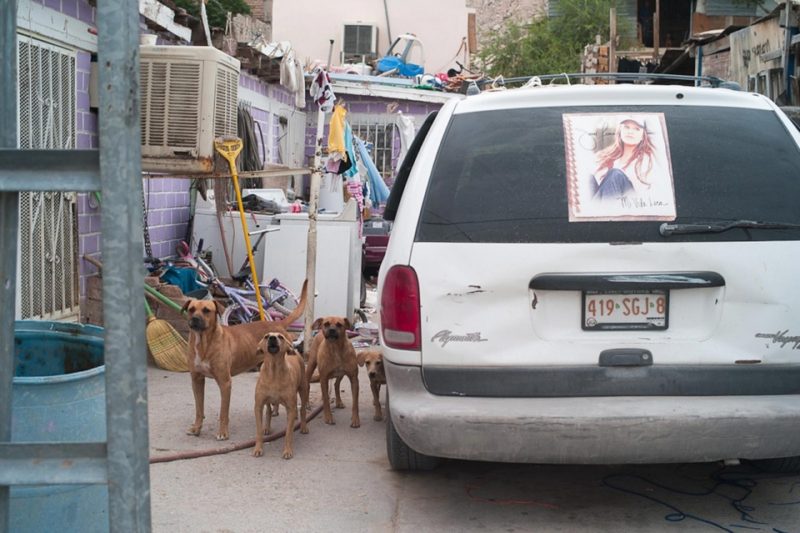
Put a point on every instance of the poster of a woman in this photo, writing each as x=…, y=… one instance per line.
x=618, y=167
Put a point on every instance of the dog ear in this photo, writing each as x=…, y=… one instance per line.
x=347, y=324
x=317, y=324
x=220, y=307
x=361, y=358
x=186, y=305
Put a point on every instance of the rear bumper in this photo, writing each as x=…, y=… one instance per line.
x=593, y=430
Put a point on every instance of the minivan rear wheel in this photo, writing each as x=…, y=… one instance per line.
x=401, y=456
x=780, y=465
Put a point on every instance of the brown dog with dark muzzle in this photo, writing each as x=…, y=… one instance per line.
x=335, y=356
x=281, y=378
x=220, y=352
x=373, y=360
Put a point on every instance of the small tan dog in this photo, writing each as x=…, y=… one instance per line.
x=335, y=356
x=281, y=378
x=221, y=352
x=373, y=360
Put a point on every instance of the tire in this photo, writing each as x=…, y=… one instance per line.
x=780, y=465
x=401, y=456
x=234, y=315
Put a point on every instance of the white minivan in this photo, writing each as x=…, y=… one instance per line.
x=596, y=274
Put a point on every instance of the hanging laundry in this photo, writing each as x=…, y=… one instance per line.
x=354, y=189
x=405, y=125
x=300, y=95
x=338, y=162
x=321, y=91
x=336, y=131
x=349, y=150
x=292, y=77
x=379, y=192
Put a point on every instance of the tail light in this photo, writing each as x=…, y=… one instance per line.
x=400, y=322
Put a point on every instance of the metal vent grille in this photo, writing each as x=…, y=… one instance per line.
x=49, y=287
x=226, y=103
x=183, y=98
x=170, y=94
x=358, y=39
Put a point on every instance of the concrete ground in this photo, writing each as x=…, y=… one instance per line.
x=340, y=480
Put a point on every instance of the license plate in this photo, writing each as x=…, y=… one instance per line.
x=625, y=310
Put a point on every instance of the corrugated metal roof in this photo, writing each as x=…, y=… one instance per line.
x=625, y=8
x=740, y=8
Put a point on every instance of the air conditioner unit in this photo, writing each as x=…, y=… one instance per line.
x=360, y=42
x=188, y=97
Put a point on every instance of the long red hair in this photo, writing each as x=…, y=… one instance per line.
x=643, y=150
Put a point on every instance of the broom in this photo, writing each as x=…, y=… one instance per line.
x=166, y=345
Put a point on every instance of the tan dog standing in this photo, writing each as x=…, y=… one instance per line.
x=333, y=353
x=220, y=352
x=373, y=360
x=281, y=378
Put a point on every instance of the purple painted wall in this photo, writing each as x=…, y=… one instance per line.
x=167, y=201
x=86, y=137
x=79, y=9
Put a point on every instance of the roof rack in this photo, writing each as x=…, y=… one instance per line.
x=713, y=81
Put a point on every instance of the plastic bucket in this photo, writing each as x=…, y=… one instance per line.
x=58, y=395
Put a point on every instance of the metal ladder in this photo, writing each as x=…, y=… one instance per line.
x=115, y=169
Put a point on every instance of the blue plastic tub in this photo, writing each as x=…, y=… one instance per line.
x=58, y=395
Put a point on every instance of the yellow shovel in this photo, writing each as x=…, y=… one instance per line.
x=229, y=148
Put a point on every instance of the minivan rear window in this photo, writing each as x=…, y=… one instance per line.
x=500, y=176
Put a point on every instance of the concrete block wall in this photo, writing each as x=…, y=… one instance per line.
x=167, y=201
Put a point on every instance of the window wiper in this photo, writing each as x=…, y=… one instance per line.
x=716, y=227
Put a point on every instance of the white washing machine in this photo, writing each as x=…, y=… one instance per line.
x=338, y=268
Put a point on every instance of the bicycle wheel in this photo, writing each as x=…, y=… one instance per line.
x=280, y=297
x=236, y=314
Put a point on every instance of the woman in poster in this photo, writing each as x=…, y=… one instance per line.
x=625, y=167
x=629, y=178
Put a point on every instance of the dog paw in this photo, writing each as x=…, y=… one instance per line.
x=330, y=422
x=355, y=424
x=377, y=418
x=222, y=436
x=258, y=452
x=287, y=455
x=304, y=430
x=194, y=430
x=340, y=405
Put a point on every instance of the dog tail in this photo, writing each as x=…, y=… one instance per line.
x=297, y=311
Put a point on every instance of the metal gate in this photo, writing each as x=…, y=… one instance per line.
x=48, y=233
x=379, y=131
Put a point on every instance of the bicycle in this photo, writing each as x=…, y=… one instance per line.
x=278, y=303
x=277, y=299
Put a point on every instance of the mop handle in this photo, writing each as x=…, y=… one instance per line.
x=229, y=148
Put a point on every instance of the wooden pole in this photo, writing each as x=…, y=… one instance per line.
x=311, y=246
x=612, y=45
x=656, y=29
